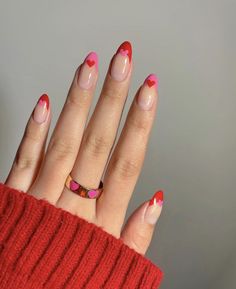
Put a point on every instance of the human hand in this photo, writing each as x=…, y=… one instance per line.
x=84, y=150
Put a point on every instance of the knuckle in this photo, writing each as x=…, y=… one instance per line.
x=112, y=93
x=139, y=124
x=125, y=168
x=77, y=101
x=32, y=135
x=62, y=150
x=24, y=158
x=23, y=161
x=96, y=144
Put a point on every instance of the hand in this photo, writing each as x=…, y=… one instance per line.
x=84, y=150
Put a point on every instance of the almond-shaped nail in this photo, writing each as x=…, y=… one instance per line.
x=153, y=210
x=41, y=109
x=147, y=93
x=121, y=62
x=88, y=72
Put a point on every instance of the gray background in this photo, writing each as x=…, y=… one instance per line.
x=191, y=154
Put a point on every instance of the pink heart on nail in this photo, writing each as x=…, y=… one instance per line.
x=41, y=102
x=124, y=52
x=73, y=185
x=160, y=203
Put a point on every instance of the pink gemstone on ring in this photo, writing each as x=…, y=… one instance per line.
x=92, y=194
x=73, y=185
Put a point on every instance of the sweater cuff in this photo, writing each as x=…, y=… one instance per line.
x=43, y=246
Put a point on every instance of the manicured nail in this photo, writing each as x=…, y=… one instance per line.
x=88, y=72
x=121, y=62
x=147, y=92
x=41, y=109
x=154, y=208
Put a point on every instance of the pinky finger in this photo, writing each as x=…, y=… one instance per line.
x=138, y=230
x=30, y=152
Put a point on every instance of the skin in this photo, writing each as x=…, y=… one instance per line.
x=84, y=151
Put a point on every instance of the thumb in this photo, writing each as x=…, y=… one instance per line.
x=138, y=230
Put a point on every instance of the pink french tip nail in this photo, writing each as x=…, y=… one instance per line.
x=146, y=95
x=152, y=81
x=92, y=59
x=88, y=73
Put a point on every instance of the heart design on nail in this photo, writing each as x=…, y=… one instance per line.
x=44, y=99
x=125, y=49
x=160, y=203
x=157, y=199
x=41, y=102
x=73, y=185
x=92, y=194
x=90, y=62
x=124, y=52
x=150, y=82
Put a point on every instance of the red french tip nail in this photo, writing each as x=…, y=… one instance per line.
x=45, y=98
x=125, y=49
x=157, y=198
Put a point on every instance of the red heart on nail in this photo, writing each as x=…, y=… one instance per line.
x=90, y=62
x=150, y=82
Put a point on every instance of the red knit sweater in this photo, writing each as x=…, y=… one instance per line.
x=42, y=246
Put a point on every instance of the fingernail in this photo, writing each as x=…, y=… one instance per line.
x=41, y=109
x=88, y=72
x=121, y=62
x=154, y=208
x=147, y=92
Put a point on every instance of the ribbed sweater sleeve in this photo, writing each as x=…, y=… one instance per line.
x=43, y=246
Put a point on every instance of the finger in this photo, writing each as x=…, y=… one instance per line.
x=66, y=137
x=138, y=230
x=126, y=161
x=30, y=152
x=100, y=133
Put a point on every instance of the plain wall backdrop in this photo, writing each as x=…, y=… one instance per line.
x=190, y=45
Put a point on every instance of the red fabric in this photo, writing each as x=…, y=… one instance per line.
x=42, y=246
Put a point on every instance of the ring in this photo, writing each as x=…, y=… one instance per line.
x=82, y=191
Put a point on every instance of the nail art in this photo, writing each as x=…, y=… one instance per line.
x=121, y=62
x=153, y=210
x=146, y=95
x=157, y=199
x=88, y=72
x=152, y=81
x=125, y=49
x=92, y=59
x=41, y=109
